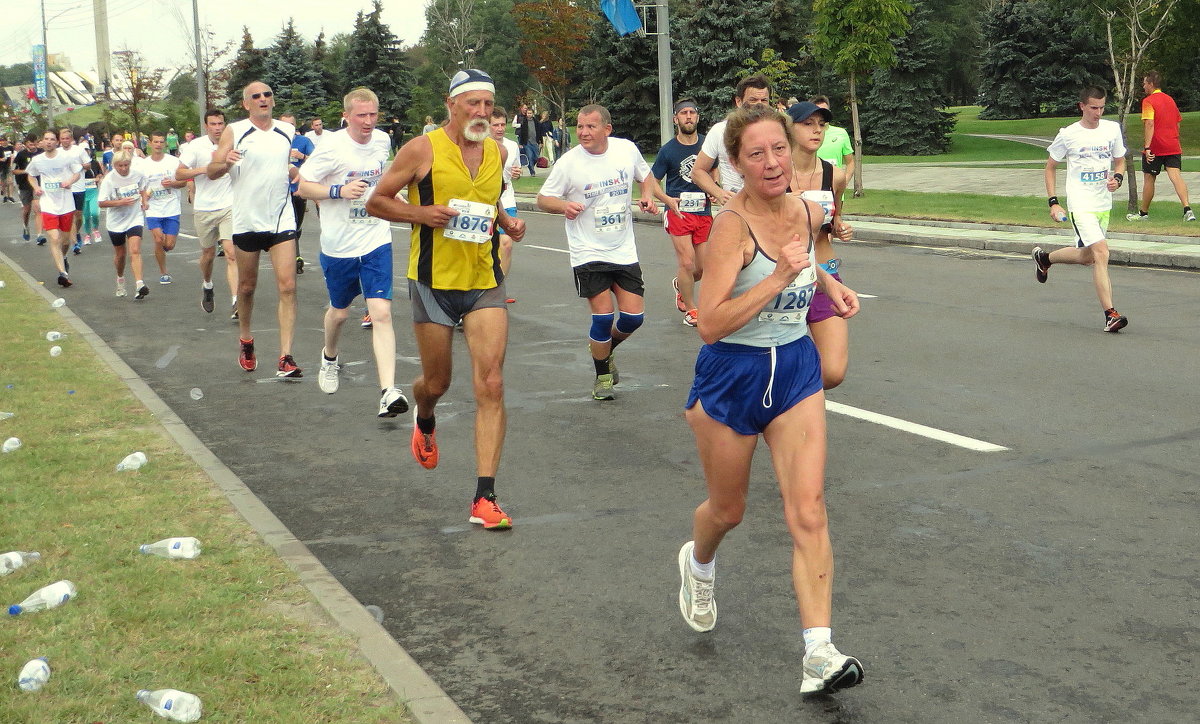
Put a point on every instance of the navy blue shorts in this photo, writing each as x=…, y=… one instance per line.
x=169, y=225
x=347, y=277
x=743, y=388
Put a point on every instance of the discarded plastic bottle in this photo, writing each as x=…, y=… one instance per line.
x=34, y=674
x=56, y=594
x=53, y=336
x=196, y=393
x=173, y=548
x=12, y=443
x=132, y=461
x=6, y=415
x=1, y=283
x=172, y=704
x=13, y=560
x=55, y=351
x=60, y=302
x=1060, y=218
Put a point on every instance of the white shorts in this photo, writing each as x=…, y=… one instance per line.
x=1090, y=227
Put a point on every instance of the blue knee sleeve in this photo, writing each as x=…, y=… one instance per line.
x=601, y=328
x=628, y=323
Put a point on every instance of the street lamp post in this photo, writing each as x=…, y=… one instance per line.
x=46, y=50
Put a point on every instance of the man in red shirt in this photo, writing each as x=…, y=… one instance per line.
x=1160, y=126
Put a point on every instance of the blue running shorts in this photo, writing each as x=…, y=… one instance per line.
x=347, y=277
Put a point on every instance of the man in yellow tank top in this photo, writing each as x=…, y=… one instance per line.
x=453, y=179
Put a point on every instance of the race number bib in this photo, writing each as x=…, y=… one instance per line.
x=692, y=202
x=358, y=212
x=824, y=199
x=127, y=191
x=610, y=218
x=1093, y=177
x=51, y=185
x=159, y=193
x=473, y=223
x=790, y=305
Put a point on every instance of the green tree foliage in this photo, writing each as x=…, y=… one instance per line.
x=553, y=38
x=327, y=71
x=709, y=51
x=621, y=74
x=778, y=70
x=247, y=66
x=291, y=73
x=902, y=107
x=1174, y=56
x=501, y=57
x=1036, y=56
x=957, y=21
x=374, y=60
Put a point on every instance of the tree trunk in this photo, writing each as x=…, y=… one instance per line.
x=858, y=162
x=1131, y=179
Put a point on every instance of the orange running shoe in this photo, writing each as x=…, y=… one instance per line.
x=366, y=321
x=424, y=447
x=485, y=512
x=246, y=355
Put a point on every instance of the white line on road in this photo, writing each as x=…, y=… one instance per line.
x=544, y=248
x=914, y=428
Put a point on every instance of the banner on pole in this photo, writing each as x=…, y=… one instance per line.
x=39, y=71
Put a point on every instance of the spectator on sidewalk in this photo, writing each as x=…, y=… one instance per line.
x=1160, y=148
x=525, y=126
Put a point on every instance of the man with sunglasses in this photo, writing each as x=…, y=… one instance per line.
x=256, y=153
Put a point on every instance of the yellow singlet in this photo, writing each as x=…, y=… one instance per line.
x=443, y=262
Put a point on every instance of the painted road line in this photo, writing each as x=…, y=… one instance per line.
x=867, y=296
x=544, y=248
x=914, y=428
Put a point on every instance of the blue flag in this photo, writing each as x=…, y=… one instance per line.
x=621, y=14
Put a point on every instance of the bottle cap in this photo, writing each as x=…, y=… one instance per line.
x=144, y=548
x=14, y=609
x=142, y=693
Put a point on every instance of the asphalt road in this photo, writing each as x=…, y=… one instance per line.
x=1055, y=580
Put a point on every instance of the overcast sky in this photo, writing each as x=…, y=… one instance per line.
x=154, y=27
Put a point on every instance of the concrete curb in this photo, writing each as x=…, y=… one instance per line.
x=426, y=701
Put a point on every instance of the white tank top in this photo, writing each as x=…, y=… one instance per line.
x=261, y=200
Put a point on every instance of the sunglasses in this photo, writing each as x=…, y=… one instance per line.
x=264, y=94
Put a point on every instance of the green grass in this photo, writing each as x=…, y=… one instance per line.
x=1016, y=210
x=233, y=626
x=965, y=148
x=969, y=122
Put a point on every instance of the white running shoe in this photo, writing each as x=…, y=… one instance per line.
x=392, y=403
x=1189, y=215
x=696, y=601
x=1137, y=217
x=827, y=670
x=120, y=286
x=327, y=376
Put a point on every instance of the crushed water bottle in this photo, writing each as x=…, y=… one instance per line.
x=56, y=594
x=60, y=302
x=34, y=674
x=55, y=351
x=11, y=444
x=1, y=283
x=6, y=415
x=53, y=335
x=196, y=393
x=132, y=461
x=172, y=704
x=13, y=560
x=173, y=548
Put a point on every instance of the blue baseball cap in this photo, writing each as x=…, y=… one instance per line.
x=800, y=112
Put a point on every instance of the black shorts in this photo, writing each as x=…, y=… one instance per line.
x=261, y=240
x=1156, y=166
x=597, y=277
x=78, y=196
x=118, y=238
x=26, y=195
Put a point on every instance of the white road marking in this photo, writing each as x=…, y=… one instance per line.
x=867, y=296
x=544, y=248
x=914, y=428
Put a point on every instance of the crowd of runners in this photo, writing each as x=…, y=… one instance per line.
x=751, y=209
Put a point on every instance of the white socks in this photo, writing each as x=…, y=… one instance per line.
x=815, y=636
x=703, y=570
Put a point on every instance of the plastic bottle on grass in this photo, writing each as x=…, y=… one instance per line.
x=132, y=461
x=56, y=594
x=53, y=336
x=11, y=444
x=60, y=302
x=34, y=675
x=172, y=704
x=173, y=548
x=13, y=560
x=6, y=415
x=55, y=351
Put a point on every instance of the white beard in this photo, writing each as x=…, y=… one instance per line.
x=476, y=131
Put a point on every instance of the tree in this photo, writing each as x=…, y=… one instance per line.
x=711, y=46
x=374, y=60
x=902, y=107
x=1037, y=55
x=452, y=28
x=856, y=37
x=779, y=71
x=553, y=35
x=327, y=71
x=247, y=66
x=290, y=72
x=139, y=86
x=1132, y=26
x=621, y=74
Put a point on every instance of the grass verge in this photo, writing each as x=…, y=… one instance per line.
x=1166, y=217
x=969, y=122
x=234, y=626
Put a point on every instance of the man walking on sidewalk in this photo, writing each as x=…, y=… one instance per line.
x=1095, y=156
x=1161, y=148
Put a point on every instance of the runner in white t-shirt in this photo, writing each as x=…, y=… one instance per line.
x=508, y=197
x=212, y=208
x=162, y=218
x=592, y=186
x=318, y=132
x=752, y=90
x=256, y=152
x=1095, y=154
x=51, y=174
x=356, y=248
x=124, y=196
x=81, y=153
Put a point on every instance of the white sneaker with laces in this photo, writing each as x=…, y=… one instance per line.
x=827, y=670
x=392, y=403
x=120, y=286
x=1136, y=217
x=1189, y=215
x=327, y=376
x=696, y=601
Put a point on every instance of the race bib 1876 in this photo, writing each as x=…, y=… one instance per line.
x=473, y=223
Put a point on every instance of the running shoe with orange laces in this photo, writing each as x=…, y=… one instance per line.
x=485, y=512
x=678, y=297
x=246, y=356
x=288, y=367
x=691, y=317
x=366, y=323
x=424, y=447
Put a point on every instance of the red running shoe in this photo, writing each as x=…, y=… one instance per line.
x=288, y=367
x=246, y=357
x=485, y=512
x=424, y=447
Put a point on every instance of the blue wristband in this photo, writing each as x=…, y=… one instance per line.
x=335, y=191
